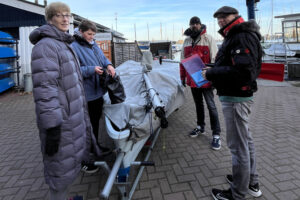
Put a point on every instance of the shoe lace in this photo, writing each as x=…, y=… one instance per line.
x=227, y=193
x=216, y=140
x=195, y=131
x=254, y=187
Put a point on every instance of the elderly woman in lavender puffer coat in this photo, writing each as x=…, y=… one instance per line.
x=61, y=109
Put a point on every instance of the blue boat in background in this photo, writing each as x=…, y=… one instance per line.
x=6, y=38
x=7, y=52
x=5, y=84
x=5, y=68
x=7, y=61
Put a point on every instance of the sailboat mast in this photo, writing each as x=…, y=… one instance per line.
x=148, y=31
x=160, y=31
x=173, y=33
x=272, y=20
x=134, y=32
x=116, y=18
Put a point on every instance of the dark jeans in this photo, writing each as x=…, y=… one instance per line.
x=208, y=94
x=95, y=111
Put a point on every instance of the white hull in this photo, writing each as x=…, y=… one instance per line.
x=279, y=49
x=130, y=148
x=151, y=96
x=280, y=53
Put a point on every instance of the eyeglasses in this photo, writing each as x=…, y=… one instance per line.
x=61, y=16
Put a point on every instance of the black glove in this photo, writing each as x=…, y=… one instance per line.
x=52, y=140
x=183, y=82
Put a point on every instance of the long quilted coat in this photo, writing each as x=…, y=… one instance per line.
x=60, y=101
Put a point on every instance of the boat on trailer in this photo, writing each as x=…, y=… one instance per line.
x=279, y=49
x=153, y=92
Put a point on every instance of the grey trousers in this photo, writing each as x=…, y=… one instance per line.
x=240, y=143
x=58, y=195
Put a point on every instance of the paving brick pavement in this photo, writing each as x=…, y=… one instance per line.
x=186, y=169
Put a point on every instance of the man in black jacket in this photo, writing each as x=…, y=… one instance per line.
x=237, y=66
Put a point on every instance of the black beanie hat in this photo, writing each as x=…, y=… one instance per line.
x=226, y=10
x=195, y=20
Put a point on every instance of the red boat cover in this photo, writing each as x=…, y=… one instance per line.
x=272, y=71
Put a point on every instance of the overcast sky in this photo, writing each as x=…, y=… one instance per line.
x=172, y=15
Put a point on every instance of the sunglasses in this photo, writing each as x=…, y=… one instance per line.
x=194, y=24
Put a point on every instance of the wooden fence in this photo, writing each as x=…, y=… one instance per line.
x=126, y=51
x=119, y=52
x=106, y=47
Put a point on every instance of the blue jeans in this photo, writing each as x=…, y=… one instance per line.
x=207, y=93
x=240, y=142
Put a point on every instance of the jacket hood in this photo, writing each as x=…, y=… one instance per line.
x=78, y=37
x=249, y=26
x=188, y=32
x=50, y=31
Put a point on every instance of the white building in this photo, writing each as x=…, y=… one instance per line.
x=291, y=30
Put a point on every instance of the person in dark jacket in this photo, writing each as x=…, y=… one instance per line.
x=61, y=109
x=234, y=74
x=201, y=43
x=92, y=65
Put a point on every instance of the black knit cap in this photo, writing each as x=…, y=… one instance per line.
x=225, y=10
x=195, y=20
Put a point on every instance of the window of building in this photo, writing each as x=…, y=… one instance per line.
x=298, y=31
x=290, y=31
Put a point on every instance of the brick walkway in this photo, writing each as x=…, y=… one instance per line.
x=185, y=168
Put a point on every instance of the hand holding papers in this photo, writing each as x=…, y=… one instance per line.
x=203, y=73
x=194, y=67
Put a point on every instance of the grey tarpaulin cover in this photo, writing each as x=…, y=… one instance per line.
x=132, y=113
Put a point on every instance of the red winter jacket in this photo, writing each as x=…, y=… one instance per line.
x=206, y=48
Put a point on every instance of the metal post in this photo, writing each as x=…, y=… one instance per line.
x=112, y=176
x=139, y=175
x=251, y=11
x=283, y=35
x=297, y=35
x=18, y=68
